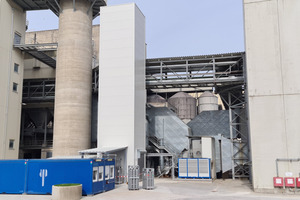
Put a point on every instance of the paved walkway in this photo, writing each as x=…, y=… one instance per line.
x=167, y=189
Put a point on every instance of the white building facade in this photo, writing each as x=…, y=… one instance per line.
x=12, y=26
x=122, y=94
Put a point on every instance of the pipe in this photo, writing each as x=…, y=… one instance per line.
x=284, y=160
x=45, y=130
x=173, y=168
x=221, y=163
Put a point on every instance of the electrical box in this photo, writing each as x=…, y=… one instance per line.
x=289, y=182
x=208, y=151
x=278, y=181
x=200, y=147
x=196, y=149
x=298, y=182
x=194, y=168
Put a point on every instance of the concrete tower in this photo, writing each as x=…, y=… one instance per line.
x=273, y=47
x=72, y=118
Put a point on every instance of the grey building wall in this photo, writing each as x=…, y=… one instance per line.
x=273, y=47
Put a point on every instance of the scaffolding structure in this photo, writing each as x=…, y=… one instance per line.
x=235, y=100
x=238, y=134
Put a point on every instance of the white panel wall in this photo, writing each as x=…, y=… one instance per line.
x=12, y=19
x=273, y=47
x=122, y=96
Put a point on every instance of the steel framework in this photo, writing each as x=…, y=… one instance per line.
x=194, y=71
x=39, y=51
x=38, y=90
x=224, y=73
x=235, y=99
x=238, y=135
x=54, y=5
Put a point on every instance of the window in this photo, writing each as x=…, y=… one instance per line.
x=95, y=174
x=107, y=172
x=49, y=154
x=11, y=144
x=15, y=87
x=112, y=172
x=16, y=68
x=100, y=176
x=17, y=38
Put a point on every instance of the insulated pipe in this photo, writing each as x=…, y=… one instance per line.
x=284, y=160
x=73, y=91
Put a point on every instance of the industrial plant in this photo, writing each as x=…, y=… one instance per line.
x=88, y=91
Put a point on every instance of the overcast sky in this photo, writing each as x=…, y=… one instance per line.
x=177, y=27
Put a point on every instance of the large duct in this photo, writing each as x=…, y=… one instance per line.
x=167, y=129
x=156, y=100
x=72, y=120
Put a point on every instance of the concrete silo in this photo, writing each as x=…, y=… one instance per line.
x=72, y=116
x=72, y=119
x=185, y=106
x=207, y=101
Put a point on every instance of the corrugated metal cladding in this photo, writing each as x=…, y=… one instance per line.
x=211, y=123
x=167, y=127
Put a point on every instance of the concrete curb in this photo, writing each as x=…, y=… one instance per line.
x=67, y=192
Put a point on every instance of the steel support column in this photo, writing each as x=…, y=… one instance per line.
x=238, y=134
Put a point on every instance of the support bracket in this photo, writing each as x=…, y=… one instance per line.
x=91, y=7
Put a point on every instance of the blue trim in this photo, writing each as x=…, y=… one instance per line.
x=187, y=167
x=198, y=166
x=209, y=168
x=26, y=176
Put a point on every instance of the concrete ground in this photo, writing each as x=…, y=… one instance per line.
x=179, y=189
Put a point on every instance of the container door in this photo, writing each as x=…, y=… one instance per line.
x=106, y=177
x=98, y=178
x=101, y=178
x=111, y=177
x=109, y=174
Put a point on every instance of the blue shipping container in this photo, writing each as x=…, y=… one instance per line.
x=40, y=175
x=12, y=176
